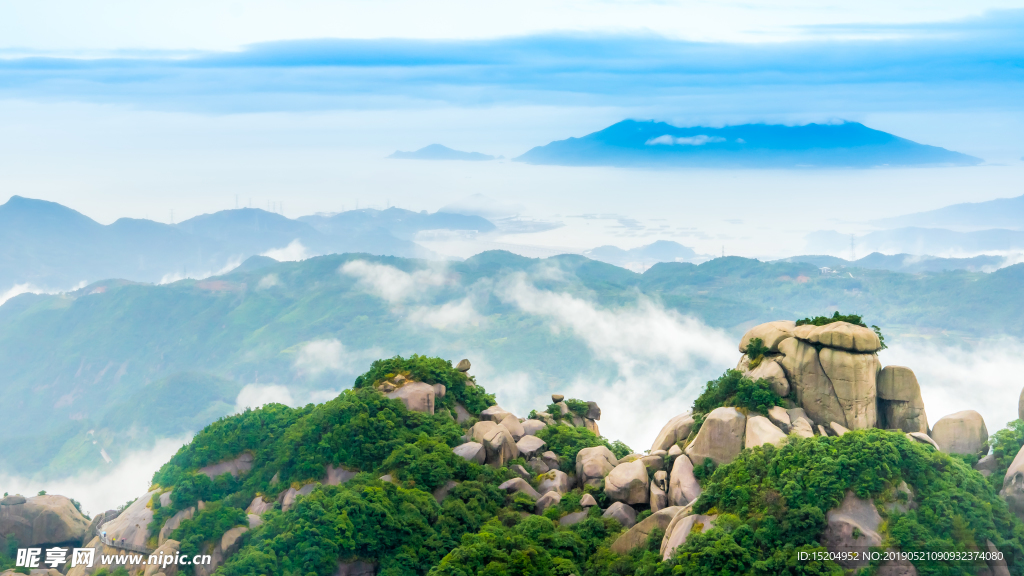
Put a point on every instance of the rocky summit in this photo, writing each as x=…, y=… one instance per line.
x=809, y=449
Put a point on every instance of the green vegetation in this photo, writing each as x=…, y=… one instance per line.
x=1005, y=443
x=734, y=389
x=208, y=526
x=855, y=319
x=756, y=351
x=567, y=441
x=460, y=387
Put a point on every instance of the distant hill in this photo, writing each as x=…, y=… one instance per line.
x=114, y=353
x=397, y=222
x=910, y=263
x=51, y=246
x=919, y=241
x=999, y=213
x=439, y=152
x=636, y=143
x=644, y=256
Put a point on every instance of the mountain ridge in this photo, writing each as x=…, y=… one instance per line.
x=653, y=144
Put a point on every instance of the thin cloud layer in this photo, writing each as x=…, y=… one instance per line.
x=103, y=490
x=969, y=57
x=390, y=283
x=256, y=395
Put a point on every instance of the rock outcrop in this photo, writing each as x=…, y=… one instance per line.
x=500, y=446
x=637, y=535
x=676, y=430
x=683, y=487
x=810, y=385
x=628, y=482
x=417, y=396
x=530, y=446
x=132, y=524
x=174, y=521
x=593, y=464
x=519, y=485
x=853, y=376
x=760, y=430
x=720, y=437
x=622, y=512
x=41, y=520
x=472, y=451
x=555, y=480
x=851, y=527
x=235, y=466
x=770, y=334
x=961, y=433
x=679, y=529
x=1013, y=486
x=900, y=406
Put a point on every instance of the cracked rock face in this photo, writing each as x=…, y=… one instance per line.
x=899, y=400
x=811, y=385
x=853, y=380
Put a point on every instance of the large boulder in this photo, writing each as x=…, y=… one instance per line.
x=472, y=451
x=417, y=396
x=812, y=387
x=657, y=499
x=593, y=464
x=780, y=417
x=235, y=466
x=514, y=426
x=679, y=529
x=531, y=427
x=259, y=506
x=840, y=335
x=683, y=487
x=288, y=497
x=168, y=548
x=760, y=430
x=519, y=485
x=555, y=480
x=41, y=520
x=477, y=432
x=628, y=482
x=770, y=371
x=852, y=527
x=593, y=411
x=494, y=414
x=97, y=521
x=339, y=475
x=174, y=521
x=853, y=380
x=622, y=512
x=676, y=430
x=720, y=437
x=1013, y=486
x=770, y=333
x=637, y=535
x=900, y=405
x=961, y=433
x=132, y=524
x=500, y=446
x=530, y=446
x=546, y=501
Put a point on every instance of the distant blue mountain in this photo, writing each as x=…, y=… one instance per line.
x=439, y=152
x=660, y=251
x=920, y=241
x=636, y=143
x=998, y=213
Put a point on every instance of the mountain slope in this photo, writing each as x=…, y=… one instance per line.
x=635, y=143
x=439, y=152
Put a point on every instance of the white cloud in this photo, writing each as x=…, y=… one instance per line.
x=256, y=395
x=698, y=140
x=662, y=357
x=108, y=488
x=268, y=281
x=293, y=252
x=390, y=283
x=448, y=316
x=983, y=376
x=320, y=356
x=19, y=289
